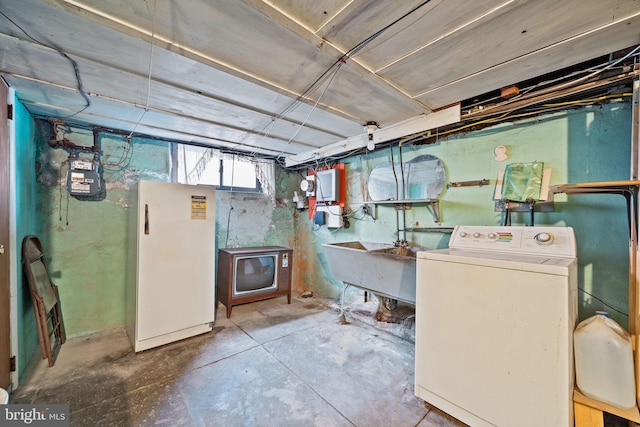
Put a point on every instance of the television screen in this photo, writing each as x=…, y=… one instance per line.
x=255, y=273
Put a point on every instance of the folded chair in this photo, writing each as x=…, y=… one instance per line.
x=46, y=301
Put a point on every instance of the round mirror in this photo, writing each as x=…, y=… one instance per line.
x=422, y=178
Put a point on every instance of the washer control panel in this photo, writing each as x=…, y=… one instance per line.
x=538, y=240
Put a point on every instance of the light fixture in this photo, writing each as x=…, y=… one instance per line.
x=390, y=132
x=298, y=201
x=308, y=185
x=371, y=127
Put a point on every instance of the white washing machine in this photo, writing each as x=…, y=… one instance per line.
x=495, y=315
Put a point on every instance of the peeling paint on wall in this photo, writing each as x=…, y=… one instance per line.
x=588, y=144
x=86, y=241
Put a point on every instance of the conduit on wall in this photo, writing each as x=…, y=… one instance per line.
x=84, y=176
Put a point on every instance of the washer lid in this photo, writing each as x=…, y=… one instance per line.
x=532, y=263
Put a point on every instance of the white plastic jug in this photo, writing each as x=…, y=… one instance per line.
x=604, y=361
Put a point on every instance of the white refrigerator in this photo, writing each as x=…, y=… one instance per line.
x=171, y=273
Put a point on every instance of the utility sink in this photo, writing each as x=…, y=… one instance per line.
x=380, y=268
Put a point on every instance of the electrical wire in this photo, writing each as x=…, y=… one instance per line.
x=126, y=155
x=319, y=81
x=564, y=85
x=588, y=100
x=231, y=208
x=604, y=302
x=333, y=76
x=509, y=115
x=266, y=130
x=61, y=182
x=586, y=77
x=548, y=107
x=351, y=52
x=355, y=49
x=74, y=64
x=153, y=36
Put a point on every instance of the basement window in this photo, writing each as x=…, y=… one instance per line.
x=227, y=172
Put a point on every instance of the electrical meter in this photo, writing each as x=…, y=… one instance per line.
x=83, y=178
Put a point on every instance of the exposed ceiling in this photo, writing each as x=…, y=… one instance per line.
x=288, y=78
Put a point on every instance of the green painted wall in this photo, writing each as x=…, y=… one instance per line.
x=26, y=224
x=590, y=144
x=86, y=241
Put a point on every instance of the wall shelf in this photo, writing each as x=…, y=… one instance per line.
x=630, y=190
x=406, y=204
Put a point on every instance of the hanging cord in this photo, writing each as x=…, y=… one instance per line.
x=395, y=176
x=375, y=35
x=120, y=163
x=74, y=64
x=404, y=196
x=604, y=302
x=183, y=149
x=233, y=165
x=266, y=130
x=311, y=111
x=404, y=191
x=153, y=36
x=337, y=64
x=583, y=78
x=560, y=86
x=62, y=183
x=393, y=169
x=364, y=190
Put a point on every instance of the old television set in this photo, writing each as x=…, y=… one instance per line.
x=252, y=274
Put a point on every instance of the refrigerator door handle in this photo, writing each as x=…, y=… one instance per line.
x=146, y=219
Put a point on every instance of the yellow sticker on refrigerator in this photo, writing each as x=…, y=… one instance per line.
x=198, y=207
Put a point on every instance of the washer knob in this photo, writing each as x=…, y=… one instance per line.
x=476, y=235
x=492, y=236
x=544, y=238
x=463, y=234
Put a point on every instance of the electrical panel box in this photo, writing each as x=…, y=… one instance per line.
x=327, y=185
x=332, y=215
x=83, y=178
x=326, y=188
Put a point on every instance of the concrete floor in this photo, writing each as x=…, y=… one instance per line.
x=270, y=364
